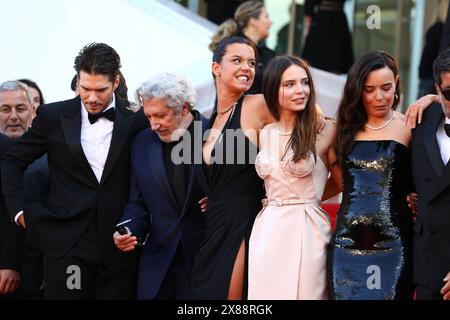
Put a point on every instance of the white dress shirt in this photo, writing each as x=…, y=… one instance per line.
x=95, y=140
x=443, y=141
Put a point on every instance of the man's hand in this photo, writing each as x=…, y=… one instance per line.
x=21, y=221
x=125, y=242
x=9, y=281
x=412, y=202
x=204, y=204
x=414, y=113
x=446, y=288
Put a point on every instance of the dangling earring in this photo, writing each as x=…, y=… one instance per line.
x=396, y=96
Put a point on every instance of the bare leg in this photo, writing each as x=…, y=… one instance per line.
x=236, y=289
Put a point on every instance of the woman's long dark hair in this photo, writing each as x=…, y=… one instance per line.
x=352, y=114
x=303, y=137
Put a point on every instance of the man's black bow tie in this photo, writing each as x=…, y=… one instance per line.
x=447, y=129
x=109, y=114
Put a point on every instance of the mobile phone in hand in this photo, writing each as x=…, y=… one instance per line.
x=122, y=230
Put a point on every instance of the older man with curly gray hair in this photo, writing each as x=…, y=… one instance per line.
x=168, y=101
x=164, y=212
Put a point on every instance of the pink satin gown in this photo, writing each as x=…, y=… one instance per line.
x=289, y=239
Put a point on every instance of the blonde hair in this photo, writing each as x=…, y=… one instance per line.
x=441, y=10
x=242, y=16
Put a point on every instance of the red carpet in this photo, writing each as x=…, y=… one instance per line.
x=331, y=209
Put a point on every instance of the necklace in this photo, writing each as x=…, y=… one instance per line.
x=227, y=109
x=228, y=121
x=383, y=125
x=282, y=133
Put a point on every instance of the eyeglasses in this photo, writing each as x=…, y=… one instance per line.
x=445, y=93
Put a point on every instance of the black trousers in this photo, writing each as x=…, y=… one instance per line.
x=423, y=293
x=31, y=275
x=177, y=282
x=81, y=275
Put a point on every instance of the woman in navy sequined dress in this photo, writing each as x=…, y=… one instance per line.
x=370, y=256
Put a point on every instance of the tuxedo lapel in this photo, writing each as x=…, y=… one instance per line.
x=158, y=169
x=444, y=181
x=121, y=131
x=71, y=125
x=434, y=153
x=430, y=142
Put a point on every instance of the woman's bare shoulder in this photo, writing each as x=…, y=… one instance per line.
x=255, y=101
x=330, y=126
x=331, y=122
x=269, y=126
x=402, y=132
x=255, y=107
x=399, y=122
x=399, y=115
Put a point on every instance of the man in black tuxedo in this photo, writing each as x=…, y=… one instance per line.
x=431, y=167
x=21, y=265
x=165, y=197
x=87, y=140
x=11, y=240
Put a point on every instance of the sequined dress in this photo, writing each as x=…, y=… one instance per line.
x=370, y=256
x=290, y=236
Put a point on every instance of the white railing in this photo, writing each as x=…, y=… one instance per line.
x=329, y=88
x=151, y=36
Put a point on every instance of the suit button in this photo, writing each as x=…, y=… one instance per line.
x=432, y=230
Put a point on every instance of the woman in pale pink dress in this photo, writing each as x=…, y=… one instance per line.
x=289, y=239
